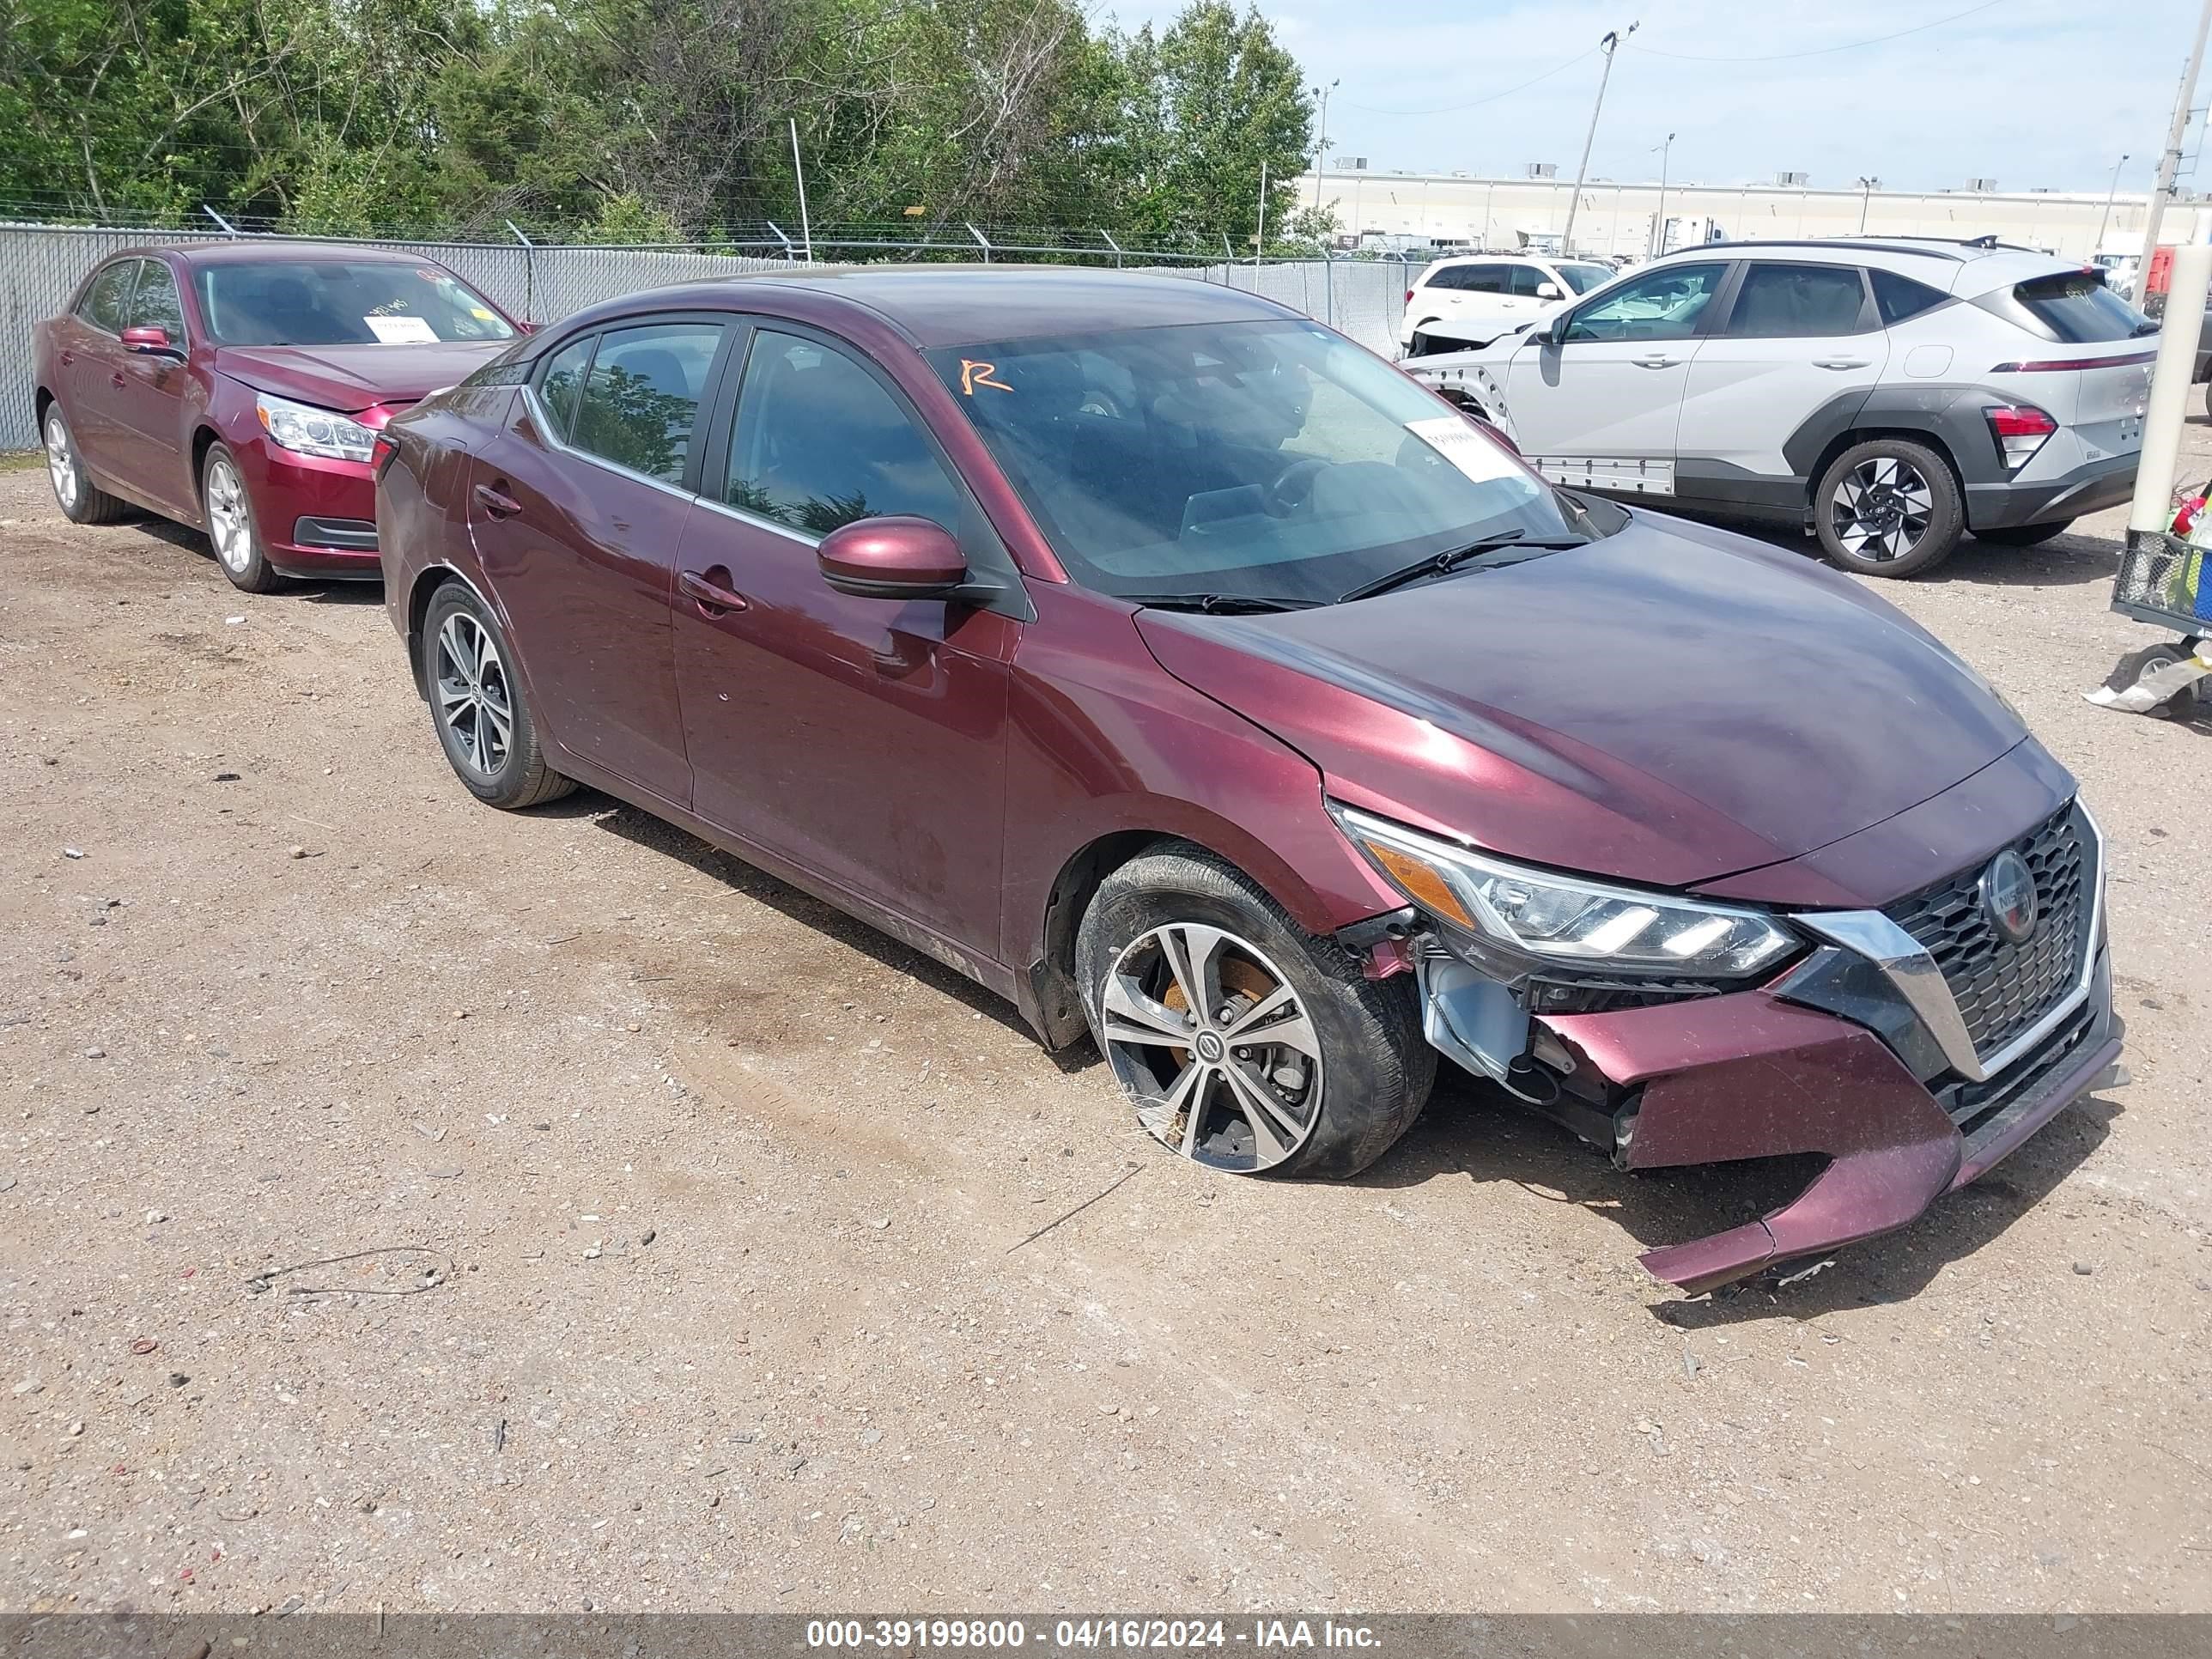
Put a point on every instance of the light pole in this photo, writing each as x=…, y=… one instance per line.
x=2169, y=162
x=1867, y=188
x=1610, y=44
x=2097, y=246
x=1665, y=150
x=1320, y=144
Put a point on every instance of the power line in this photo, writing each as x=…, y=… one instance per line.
x=1818, y=52
x=1446, y=109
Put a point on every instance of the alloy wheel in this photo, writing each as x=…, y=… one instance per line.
x=61, y=464
x=229, y=525
x=1220, y=1053
x=1880, y=509
x=475, y=703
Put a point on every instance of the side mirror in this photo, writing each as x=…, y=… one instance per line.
x=1549, y=291
x=1548, y=333
x=529, y=328
x=151, y=341
x=893, y=558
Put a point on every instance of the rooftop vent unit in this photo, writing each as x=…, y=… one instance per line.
x=1793, y=180
x=1543, y=170
x=1982, y=186
x=1352, y=163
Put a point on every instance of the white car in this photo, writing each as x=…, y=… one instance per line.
x=1471, y=300
x=1888, y=396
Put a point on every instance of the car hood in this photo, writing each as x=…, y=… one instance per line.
x=355, y=377
x=1668, y=705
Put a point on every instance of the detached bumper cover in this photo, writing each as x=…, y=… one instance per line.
x=1748, y=1075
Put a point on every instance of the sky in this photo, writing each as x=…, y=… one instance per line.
x=2031, y=93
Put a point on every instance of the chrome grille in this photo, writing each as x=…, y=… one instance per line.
x=2003, y=989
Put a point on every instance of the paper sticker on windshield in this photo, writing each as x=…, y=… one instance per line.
x=402, y=330
x=1451, y=437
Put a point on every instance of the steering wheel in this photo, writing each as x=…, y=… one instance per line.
x=1292, y=487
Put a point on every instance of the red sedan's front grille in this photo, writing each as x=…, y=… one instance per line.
x=2003, y=989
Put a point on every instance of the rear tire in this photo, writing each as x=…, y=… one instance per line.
x=1889, y=507
x=477, y=706
x=2024, y=535
x=81, y=500
x=1347, y=1071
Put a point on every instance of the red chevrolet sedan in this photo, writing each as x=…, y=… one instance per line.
x=237, y=386
x=1179, y=670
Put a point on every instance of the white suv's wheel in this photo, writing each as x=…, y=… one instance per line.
x=1889, y=507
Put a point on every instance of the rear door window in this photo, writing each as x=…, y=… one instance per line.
x=640, y=401
x=1789, y=301
x=1899, y=297
x=563, y=381
x=2077, y=307
x=107, y=301
x=156, y=305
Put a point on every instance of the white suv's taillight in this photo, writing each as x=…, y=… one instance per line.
x=2021, y=430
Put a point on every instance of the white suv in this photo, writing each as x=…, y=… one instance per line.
x=1470, y=301
x=1885, y=396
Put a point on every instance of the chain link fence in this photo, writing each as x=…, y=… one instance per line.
x=41, y=266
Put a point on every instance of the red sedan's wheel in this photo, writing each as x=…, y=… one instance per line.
x=81, y=500
x=230, y=523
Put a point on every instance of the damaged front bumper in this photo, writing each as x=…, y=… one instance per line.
x=1858, y=1052
x=1751, y=1075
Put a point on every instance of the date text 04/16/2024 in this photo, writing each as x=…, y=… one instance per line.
x=1169, y=1634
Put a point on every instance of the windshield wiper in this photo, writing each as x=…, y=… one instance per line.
x=1451, y=558
x=1217, y=605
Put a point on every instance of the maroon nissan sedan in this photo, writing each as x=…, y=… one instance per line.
x=236, y=387
x=1177, y=668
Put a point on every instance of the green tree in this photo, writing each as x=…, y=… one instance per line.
x=1206, y=107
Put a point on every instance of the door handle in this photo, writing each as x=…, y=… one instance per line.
x=68, y=358
x=497, y=503
x=116, y=379
x=1654, y=361
x=713, y=595
x=1841, y=362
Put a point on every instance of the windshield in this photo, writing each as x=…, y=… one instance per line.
x=318, y=302
x=1264, y=459
x=1583, y=278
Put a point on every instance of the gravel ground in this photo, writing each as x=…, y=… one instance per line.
x=697, y=1248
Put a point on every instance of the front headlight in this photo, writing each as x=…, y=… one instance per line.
x=306, y=430
x=1547, y=919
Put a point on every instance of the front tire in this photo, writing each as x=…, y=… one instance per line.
x=482, y=722
x=1246, y=1044
x=81, y=500
x=230, y=525
x=2024, y=535
x=1889, y=508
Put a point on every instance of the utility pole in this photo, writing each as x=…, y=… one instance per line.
x=805, y=224
x=2169, y=164
x=1610, y=44
x=1867, y=188
x=2107, y=218
x=1260, y=240
x=1320, y=144
x=1659, y=236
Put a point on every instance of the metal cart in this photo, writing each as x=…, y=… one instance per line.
x=2163, y=582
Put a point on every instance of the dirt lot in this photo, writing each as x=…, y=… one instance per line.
x=739, y=1296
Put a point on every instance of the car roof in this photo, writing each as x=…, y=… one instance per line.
x=944, y=305
x=1965, y=269
x=257, y=252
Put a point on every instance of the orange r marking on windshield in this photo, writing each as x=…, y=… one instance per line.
x=973, y=374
